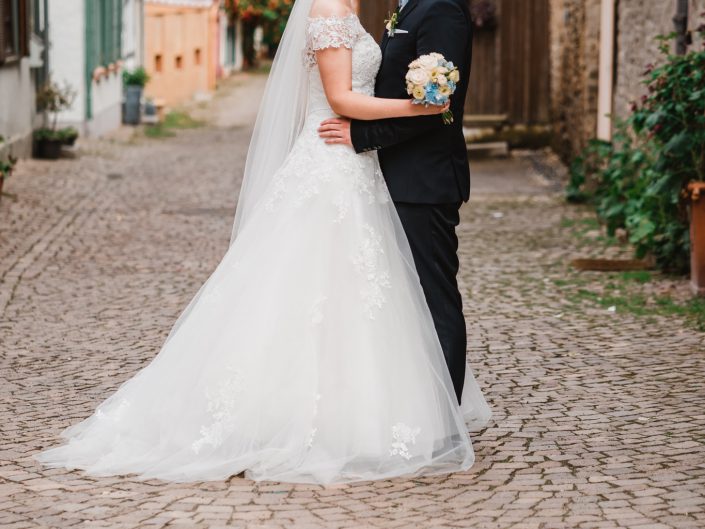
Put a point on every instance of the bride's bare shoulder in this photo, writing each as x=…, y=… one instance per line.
x=331, y=8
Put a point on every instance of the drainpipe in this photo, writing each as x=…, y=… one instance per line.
x=680, y=21
x=606, y=70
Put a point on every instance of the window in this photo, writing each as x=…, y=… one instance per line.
x=157, y=63
x=178, y=62
x=14, y=25
x=103, y=32
x=197, y=56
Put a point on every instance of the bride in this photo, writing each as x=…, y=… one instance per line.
x=310, y=354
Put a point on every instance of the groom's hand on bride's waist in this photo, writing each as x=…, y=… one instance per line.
x=336, y=131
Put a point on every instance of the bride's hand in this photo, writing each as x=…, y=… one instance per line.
x=428, y=110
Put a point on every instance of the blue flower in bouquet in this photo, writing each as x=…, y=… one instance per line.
x=431, y=80
x=432, y=95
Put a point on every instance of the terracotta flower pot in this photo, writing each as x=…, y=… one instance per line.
x=696, y=192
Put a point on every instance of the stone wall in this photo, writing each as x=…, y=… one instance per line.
x=574, y=72
x=638, y=23
x=575, y=40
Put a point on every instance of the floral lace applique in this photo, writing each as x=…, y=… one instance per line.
x=114, y=415
x=314, y=430
x=330, y=32
x=403, y=436
x=221, y=405
x=369, y=262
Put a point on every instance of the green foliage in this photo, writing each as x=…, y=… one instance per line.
x=172, y=121
x=68, y=134
x=630, y=293
x=136, y=77
x=7, y=166
x=271, y=15
x=637, y=181
x=48, y=134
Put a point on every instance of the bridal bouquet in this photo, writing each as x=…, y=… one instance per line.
x=431, y=80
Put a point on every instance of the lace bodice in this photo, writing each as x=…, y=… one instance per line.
x=337, y=32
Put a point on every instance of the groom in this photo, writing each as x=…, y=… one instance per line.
x=424, y=161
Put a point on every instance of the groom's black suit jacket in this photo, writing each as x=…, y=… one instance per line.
x=423, y=160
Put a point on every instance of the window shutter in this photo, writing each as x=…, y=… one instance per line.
x=3, y=35
x=23, y=25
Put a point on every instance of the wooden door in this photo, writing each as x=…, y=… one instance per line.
x=373, y=13
x=511, y=64
x=511, y=61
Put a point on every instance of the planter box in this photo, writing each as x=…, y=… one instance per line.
x=49, y=149
x=697, y=237
x=133, y=105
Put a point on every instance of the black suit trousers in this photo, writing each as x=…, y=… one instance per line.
x=430, y=229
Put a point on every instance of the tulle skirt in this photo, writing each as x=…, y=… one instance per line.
x=308, y=356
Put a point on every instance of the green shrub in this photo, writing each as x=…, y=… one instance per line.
x=136, y=77
x=637, y=181
x=7, y=166
x=48, y=134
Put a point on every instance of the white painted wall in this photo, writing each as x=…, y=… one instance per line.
x=67, y=55
x=17, y=111
x=223, y=41
x=67, y=59
x=107, y=105
x=133, y=34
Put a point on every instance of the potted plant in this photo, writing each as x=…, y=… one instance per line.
x=69, y=135
x=52, y=98
x=135, y=81
x=6, y=167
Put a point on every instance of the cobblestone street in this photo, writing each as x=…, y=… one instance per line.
x=599, y=412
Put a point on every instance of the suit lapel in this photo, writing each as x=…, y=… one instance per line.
x=402, y=15
x=385, y=41
x=407, y=9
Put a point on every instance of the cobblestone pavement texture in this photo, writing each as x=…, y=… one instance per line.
x=599, y=415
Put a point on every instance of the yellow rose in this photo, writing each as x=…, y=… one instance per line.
x=444, y=90
x=419, y=92
x=454, y=76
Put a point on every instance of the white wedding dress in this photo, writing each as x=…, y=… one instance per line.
x=310, y=354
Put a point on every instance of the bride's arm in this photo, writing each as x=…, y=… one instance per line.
x=335, y=65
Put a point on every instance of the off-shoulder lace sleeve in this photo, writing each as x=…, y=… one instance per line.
x=330, y=32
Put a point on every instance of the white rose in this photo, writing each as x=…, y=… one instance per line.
x=418, y=77
x=427, y=62
x=442, y=80
x=437, y=56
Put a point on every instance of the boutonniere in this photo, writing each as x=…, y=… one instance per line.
x=392, y=22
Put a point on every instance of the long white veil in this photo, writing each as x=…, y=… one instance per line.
x=279, y=121
x=281, y=115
